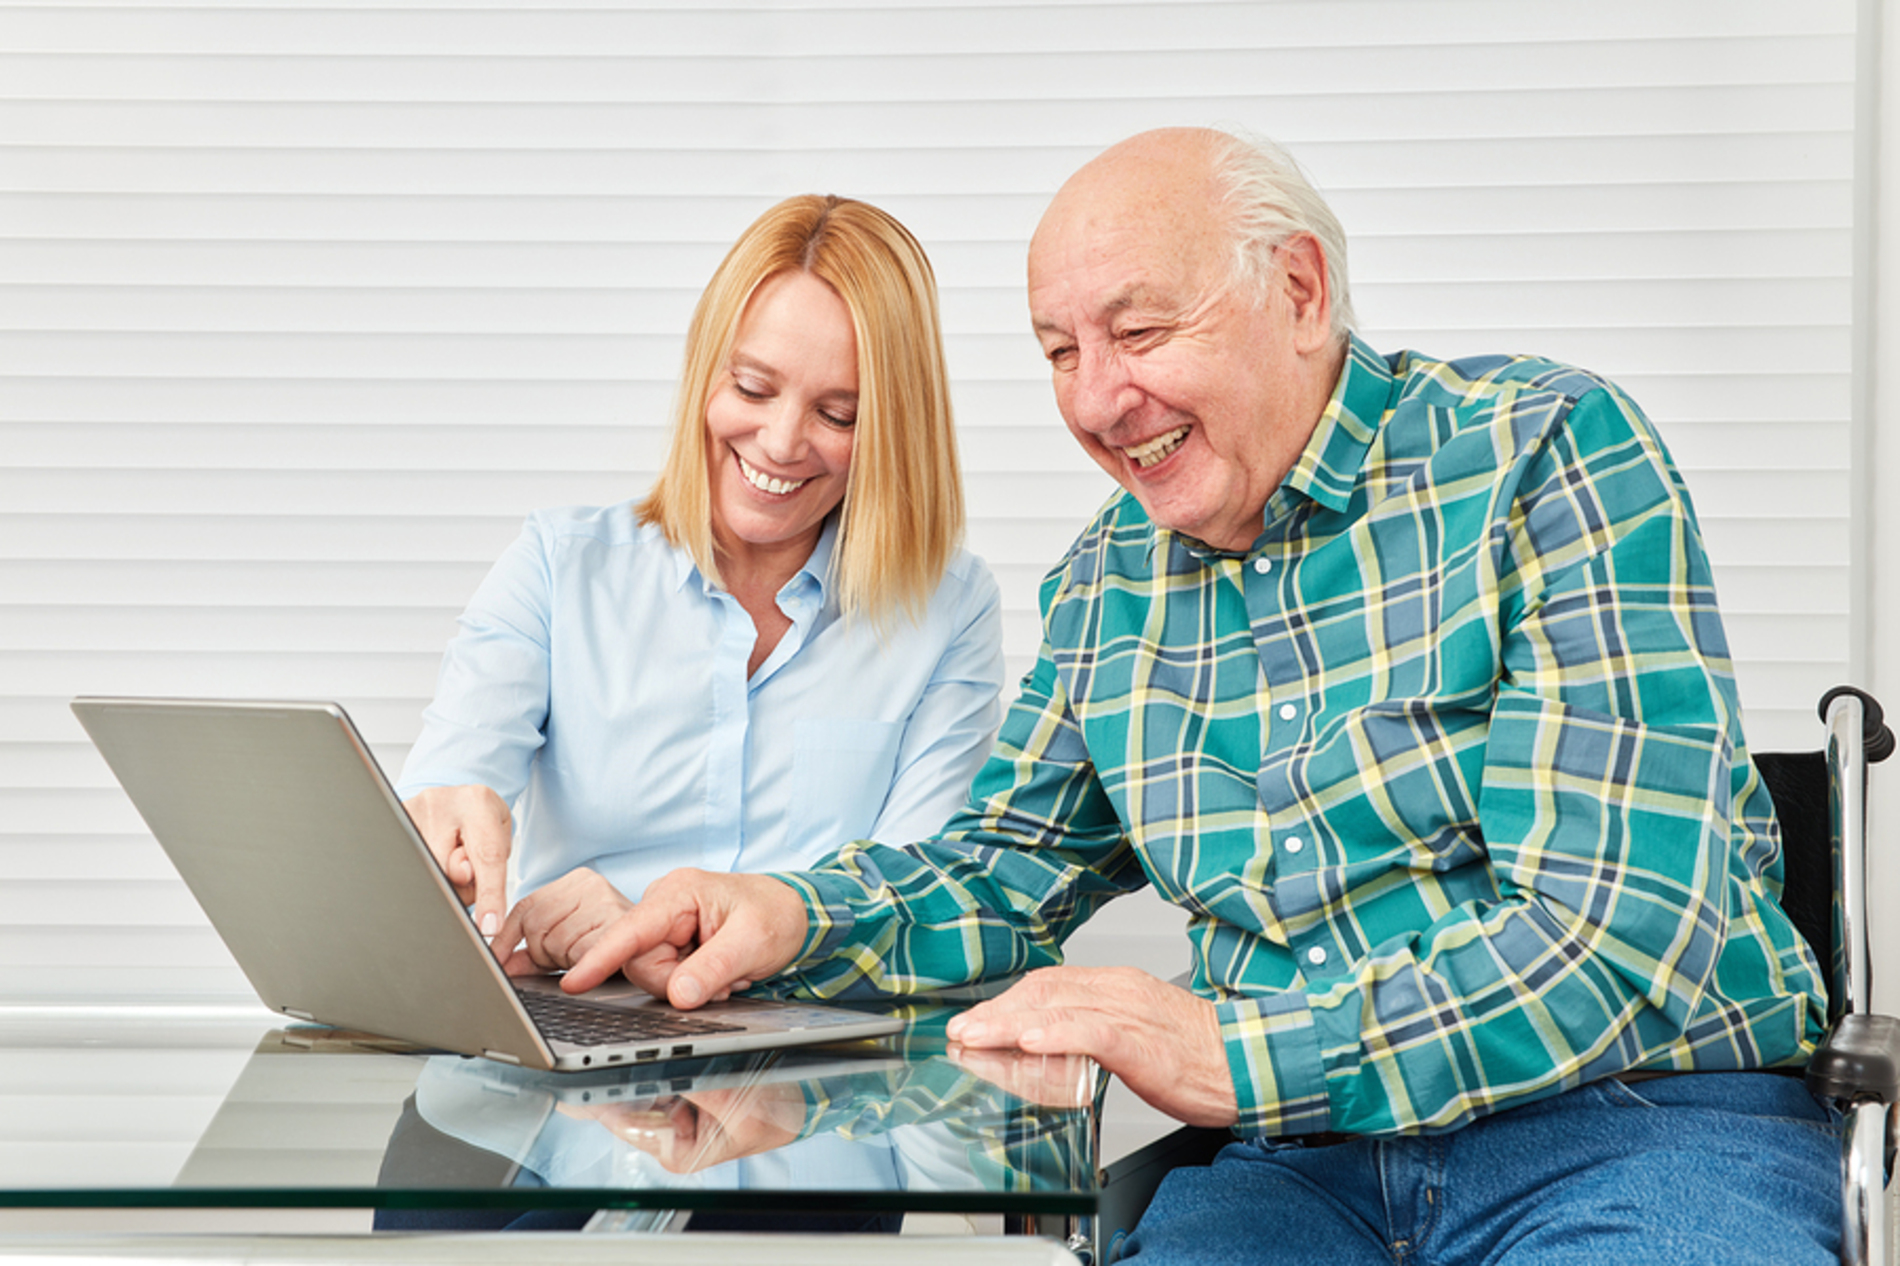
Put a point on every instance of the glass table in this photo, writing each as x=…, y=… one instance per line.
x=169, y=1110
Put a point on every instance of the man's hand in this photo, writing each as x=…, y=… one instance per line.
x=1162, y=1041
x=1051, y=1081
x=697, y=935
x=470, y=832
x=552, y=927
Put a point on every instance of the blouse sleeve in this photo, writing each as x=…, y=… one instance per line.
x=491, y=701
x=948, y=734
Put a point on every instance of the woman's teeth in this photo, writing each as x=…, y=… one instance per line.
x=764, y=482
x=1146, y=455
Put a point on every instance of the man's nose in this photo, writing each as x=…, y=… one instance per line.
x=1100, y=391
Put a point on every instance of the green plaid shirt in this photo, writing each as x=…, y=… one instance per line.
x=1447, y=771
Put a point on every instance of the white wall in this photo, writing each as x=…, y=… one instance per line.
x=1880, y=455
x=301, y=308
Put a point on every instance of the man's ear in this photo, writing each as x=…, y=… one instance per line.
x=1303, y=281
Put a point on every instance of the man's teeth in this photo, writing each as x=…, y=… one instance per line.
x=764, y=482
x=1154, y=450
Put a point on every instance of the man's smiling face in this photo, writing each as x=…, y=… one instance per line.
x=1194, y=391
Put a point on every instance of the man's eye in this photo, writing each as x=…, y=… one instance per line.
x=1060, y=356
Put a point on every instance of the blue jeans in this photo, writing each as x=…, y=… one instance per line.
x=1699, y=1168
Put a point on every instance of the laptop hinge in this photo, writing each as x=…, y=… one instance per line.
x=503, y=1056
x=301, y=1015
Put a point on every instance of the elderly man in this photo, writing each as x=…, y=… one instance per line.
x=1405, y=679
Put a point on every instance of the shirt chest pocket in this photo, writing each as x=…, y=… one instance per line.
x=841, y=774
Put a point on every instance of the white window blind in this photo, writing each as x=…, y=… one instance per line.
x=302, y=308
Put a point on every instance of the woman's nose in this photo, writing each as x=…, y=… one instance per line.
x=782, y=439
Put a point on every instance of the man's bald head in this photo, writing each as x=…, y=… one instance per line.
x=1190, y=372
x=1205, y=182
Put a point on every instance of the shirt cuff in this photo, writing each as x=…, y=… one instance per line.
x=827, y=905
x=1273, y=1056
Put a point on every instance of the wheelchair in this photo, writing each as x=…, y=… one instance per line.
x=1821, y=801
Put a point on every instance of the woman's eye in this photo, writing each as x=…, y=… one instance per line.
x=750, y=390
x=842, y=423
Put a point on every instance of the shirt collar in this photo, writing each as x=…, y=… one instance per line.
x=1328, y=469
x=817, y=568
x=816, y=571
x=684, y=568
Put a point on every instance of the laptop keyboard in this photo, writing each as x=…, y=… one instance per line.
x=585, y=1023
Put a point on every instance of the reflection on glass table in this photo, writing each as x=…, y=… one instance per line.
x=899, y=1125
x=316, y=1118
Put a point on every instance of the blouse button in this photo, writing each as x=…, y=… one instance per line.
x=1263, y=565
x=1288, y=712
x=1294, y=843
x=1316, y=956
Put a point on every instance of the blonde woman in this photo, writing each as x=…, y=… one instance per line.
x=781, y=648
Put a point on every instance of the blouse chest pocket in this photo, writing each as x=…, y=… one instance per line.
x=841, y=774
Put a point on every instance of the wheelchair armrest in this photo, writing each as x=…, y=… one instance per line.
x=1859, y=1060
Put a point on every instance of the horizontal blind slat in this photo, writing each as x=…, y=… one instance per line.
x=303, y=308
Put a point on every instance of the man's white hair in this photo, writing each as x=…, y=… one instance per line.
x=1268, y=200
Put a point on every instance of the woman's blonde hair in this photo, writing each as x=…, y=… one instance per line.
x=902, y=515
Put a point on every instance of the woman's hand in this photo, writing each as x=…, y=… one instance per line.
x=550, y=928
x=470, y=832
x=698, y=1131
x=697, y=935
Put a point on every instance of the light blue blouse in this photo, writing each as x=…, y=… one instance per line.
x=598, y=684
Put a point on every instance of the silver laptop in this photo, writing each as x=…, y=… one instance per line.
x=288, y=834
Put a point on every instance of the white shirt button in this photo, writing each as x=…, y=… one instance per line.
x=1316, y=956
x=1263, y=565
x=1288, y=712
x=1294, y=843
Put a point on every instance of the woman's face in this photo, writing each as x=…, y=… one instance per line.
x=780, y=421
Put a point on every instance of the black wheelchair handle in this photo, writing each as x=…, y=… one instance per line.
x=1875, y=735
